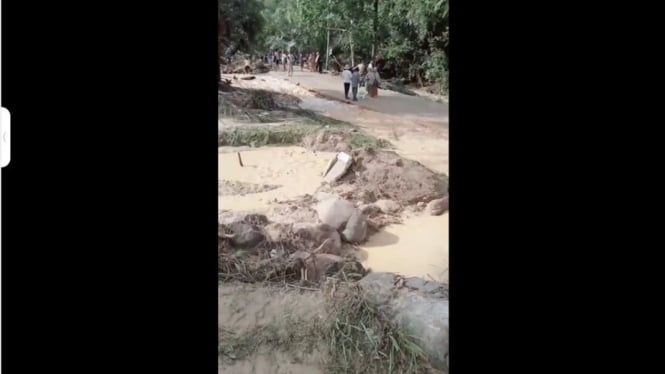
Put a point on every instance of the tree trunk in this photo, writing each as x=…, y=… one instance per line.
x=351, y=42
x=376, y=24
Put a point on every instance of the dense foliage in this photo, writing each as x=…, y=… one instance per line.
x=407, y=38
x=240, y=22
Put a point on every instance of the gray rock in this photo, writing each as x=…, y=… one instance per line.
x=334, y=212
x=356, y=228
x=315, y=235
x=378, y=288
x=420, y=314
x=245, y=235
x=427, y=318
x=387, y=206
x=438, y=206
x=341, y=165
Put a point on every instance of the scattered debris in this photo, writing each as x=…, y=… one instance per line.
x=319, y=235
x=340, y=165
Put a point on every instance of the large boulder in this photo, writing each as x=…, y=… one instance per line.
x=334, y=211
x=417, y=308
x=427, y=318
x=356, y=228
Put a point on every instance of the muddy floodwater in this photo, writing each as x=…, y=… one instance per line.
x=416, y=247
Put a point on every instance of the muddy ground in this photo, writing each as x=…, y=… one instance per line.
x=276, y=140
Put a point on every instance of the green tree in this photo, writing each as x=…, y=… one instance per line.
x=411, y=35
x=240, y=23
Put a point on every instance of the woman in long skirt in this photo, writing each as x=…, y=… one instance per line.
x=373, y=81
x=312, y=64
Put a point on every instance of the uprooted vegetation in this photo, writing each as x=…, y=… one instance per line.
x=337, y=331
x=304, y=131
x=293, y=259
x=308, y=304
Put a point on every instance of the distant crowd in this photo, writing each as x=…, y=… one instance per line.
x=287, y=60
x=353, y=77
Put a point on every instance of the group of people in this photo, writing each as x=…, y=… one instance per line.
x=353, y=78
x=356, y=77
x=281, y=58
x=288, y=59
x=315, y=62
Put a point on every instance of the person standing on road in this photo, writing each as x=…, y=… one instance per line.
x=319, y=65
x=346, y=77
x=284, y=61
x=311, y=62
x=289, y=60
x=355, y=81
x=373, y=81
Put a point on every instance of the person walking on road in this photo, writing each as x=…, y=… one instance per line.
x=355, y=82
x=346, y=77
